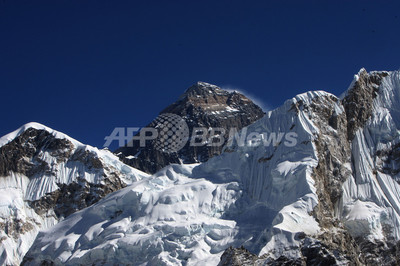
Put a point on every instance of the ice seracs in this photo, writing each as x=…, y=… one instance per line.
x=168, y=218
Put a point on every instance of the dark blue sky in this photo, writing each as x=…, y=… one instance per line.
x=85, y=67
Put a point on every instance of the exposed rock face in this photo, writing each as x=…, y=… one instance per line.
x=237, y=256
x=15, y=227
x=313, y=252
x=389, y=161
x=202, y=105
x=380, y=253
x=46, y=176
x=75, y=196
x=24, y=155
x=334, y=153
x=359, y=99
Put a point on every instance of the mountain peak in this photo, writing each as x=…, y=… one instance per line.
x=201, y=88
x=38, y=127
x=9, y=137
x=209, y=98
x=204, y=84
x=202, y=105
x=358, y=99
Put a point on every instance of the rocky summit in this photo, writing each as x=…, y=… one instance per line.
x=202, y=105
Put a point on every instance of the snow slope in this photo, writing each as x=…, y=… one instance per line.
x=167, y=218
x=25, y=193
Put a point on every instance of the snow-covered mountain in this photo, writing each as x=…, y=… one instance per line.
x=201, y=105
x=44, y=177
x=332, y=198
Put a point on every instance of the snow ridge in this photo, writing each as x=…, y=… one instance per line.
x=11, y=136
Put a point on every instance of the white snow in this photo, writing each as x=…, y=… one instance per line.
x=165, y=218
x=231, y=109
x=363, y=218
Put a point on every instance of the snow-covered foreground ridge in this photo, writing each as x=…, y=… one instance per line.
x=333, y=198
x=45, y=176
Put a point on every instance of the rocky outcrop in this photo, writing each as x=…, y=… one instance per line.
x=75, y=196
x=389, y=161
x=313, y=252
x=359, y=99
x=379, y=253
x=21, y=154
x=14, y=227
x=202, y=105
x=237, y=257
x=334, y=153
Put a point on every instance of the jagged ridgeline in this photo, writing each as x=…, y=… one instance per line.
x=202, y=105
x=331, y=199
